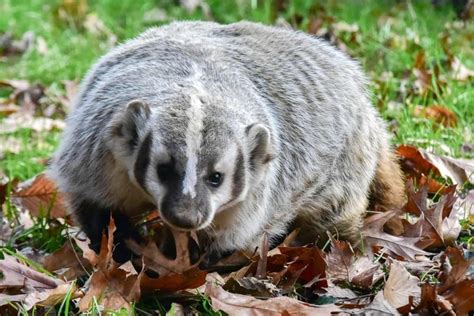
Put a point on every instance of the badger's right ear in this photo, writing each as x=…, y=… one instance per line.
x=127, y=126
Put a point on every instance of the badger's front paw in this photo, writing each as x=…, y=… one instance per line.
x=212, y=258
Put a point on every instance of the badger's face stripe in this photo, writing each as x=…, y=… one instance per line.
x=193, y=144
x=143, y=161
x=239, y=175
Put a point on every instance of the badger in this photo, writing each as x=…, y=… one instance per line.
x=232, y=131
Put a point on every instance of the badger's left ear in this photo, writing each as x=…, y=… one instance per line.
x=259, y=145
x=127, y=127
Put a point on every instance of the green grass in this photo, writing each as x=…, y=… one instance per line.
x=72, y=49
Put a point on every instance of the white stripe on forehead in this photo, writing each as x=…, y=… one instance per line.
x=193, y=140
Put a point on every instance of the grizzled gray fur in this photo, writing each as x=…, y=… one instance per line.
x=231, y=130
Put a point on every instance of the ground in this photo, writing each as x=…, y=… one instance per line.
x=417, y=55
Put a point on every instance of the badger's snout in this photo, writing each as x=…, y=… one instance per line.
x=184, y=212
x=186, y=220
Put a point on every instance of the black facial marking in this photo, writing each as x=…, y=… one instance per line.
x=239, y=175
x=143, y=160
x=167, y=171
x=133, y=142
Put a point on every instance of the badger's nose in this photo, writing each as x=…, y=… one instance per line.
x=185, y=221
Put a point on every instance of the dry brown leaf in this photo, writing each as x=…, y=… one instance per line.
x=237, y=304
x=252, y=286
x=39, y=195
x=189, y=279
x=437, y=226
x=8, y=108
x=380, y=306
x=451, y=228
x=417, y=161
x=439, y=114
x=400, y=286
x=114, y=286
x=461, y=296
x=339, y=260
x=431, y=303
x=19, y=121
x=9, y=46
x=455, y=269
x=416, y=167
x=344, y=267
x=375, y=236
x=24, y=94
x=155, y=260
x=10, y=145
x=72, y=11
x=460, y=71
x=39, y=288
x=307, y=265
x=460, y=171
x=66, y=262
x=17, y=274
x=46, y=297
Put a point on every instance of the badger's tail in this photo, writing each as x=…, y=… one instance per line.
x=388, y=187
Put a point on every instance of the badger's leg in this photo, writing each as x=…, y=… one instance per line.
x=94, y=220
x=343, y=214
x=315, y=220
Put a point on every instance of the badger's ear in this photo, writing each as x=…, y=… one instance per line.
x=126, y=127
x=259, y=145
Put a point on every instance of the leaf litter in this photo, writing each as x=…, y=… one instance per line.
x=421, y=267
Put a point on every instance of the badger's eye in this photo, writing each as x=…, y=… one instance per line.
x=215, y=179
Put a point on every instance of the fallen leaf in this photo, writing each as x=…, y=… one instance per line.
x=189, y=279
x=343, y=266
x=10, y=145
x=41, y=46
x=381, y=306
x=39, y=288
x=9, y=46
x=39, y=195
x=436, y=226
x=237, y=304
x=114, y=286
x=461, y=296
x=66, y=262
x=460, y=71
x=460, y=171
x=431, y=303
x=19, y=121
x=310, y=261
x=417, y=167
x=252, y=286
x=17, y=274
x=72, y=11
x=24, y=94
x=455, y=269
x=451, y=228
x=400, y=286
x=155, y=260
x=375, y=236
x=439, y=114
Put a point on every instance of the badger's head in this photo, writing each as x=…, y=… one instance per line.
x=192, y=159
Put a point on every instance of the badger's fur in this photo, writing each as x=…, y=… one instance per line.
x=281, y=118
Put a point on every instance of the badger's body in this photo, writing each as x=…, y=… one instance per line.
x=233, y=130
